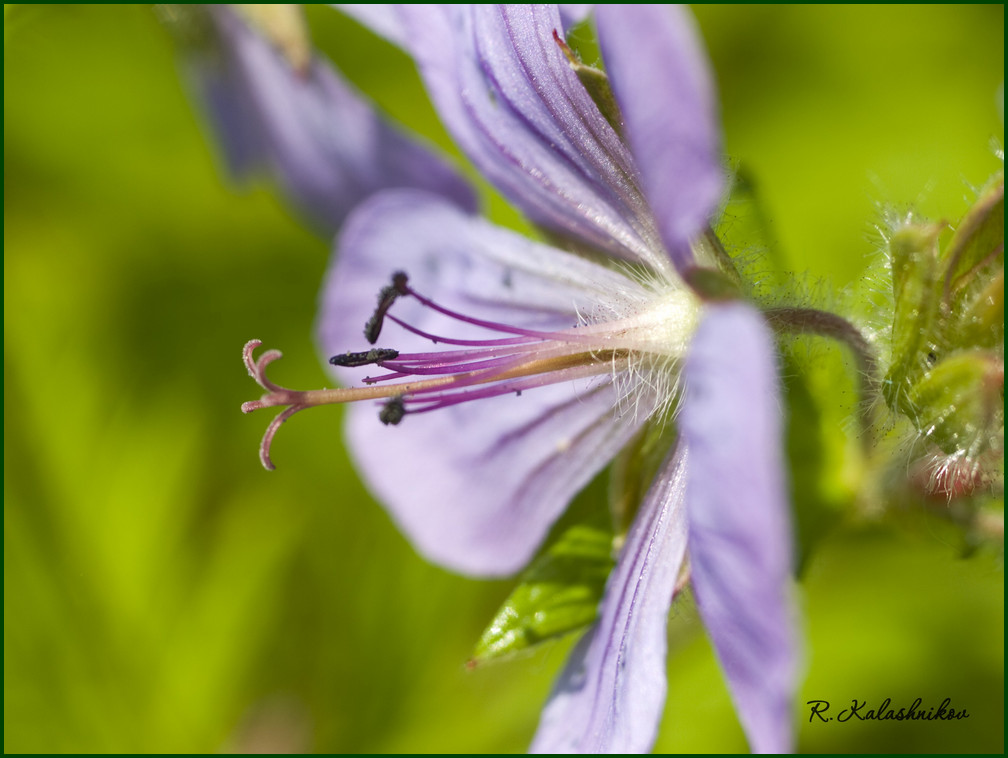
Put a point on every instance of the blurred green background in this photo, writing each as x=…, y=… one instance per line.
x=162, y=592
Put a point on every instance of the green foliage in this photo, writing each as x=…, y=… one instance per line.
x=947, y=371
x=558, y=594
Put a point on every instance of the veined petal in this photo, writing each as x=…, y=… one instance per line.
x=381, y=18
x=327, y=147
x=739, y=529
x=662, y=80
x=466, y=264
x=610, y=696
x=384, y=20
x=508, y=95
x=475, y=486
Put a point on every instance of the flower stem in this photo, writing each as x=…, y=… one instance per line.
x=825, y=324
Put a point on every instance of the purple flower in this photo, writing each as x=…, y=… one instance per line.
x=508, y=372
x=302, y=123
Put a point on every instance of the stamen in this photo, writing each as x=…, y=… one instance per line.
x=400, y=287
x=366, y=358
x=492, y=325
x=450, y=341
x=386, y=297
x=435, y=400
x=513, y=360
x=393, y=411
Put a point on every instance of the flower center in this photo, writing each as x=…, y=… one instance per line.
x=650, y=340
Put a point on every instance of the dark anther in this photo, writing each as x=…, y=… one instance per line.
x=399, y=282
x=932, y=358
x=386, y=297
x=393, y=411
x=366, y=358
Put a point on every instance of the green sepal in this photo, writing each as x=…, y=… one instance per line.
x=973, y=275
x=947, y=370
x=744, y=234
x=978, y=239
x=284, y=26
x=913, y=250
x=633, y=471
x=596, y=82
x=712, y=285
x=558, y=594
x=955, y=403
x=982, y=321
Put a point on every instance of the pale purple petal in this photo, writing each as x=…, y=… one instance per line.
x=326, y=146
x=572, y=14
x=467, y=264
x=610, y=696
x=508, y=95
x=475, y=486
x=381, y=18
x=739, y=528
x=384, y=19
x=663, y=83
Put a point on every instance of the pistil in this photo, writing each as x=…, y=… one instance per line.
x=477, y=369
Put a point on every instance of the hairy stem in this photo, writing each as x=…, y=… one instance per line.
x=825, y=324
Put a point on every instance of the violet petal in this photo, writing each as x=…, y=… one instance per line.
x=385, y=20
x=508, y=95
x=662, y=80
x=463, y=262
x=475, y=486
x=739, y=529
x=381, y=18
x=323, y=142
x=572, y=14
x=610, y=695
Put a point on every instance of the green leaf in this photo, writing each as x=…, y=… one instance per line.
x=559, y=593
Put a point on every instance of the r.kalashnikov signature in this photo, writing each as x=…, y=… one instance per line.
x=859, y=711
